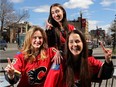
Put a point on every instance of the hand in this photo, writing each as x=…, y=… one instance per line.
x=10, y=69
x=48, y=25
x=107, y=52
x=32, y=76
x=57, y=58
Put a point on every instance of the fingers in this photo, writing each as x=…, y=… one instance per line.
x=9, y=67
x=9, y=61
x=57, y=59
x=47, y=22
x=101, y=44
x=48, y=25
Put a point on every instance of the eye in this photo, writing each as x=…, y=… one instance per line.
x=57, y=11
x=34, y=37
x=40, y=37
x=77, y=41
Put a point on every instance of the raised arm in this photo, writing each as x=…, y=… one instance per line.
x=107, y=52
x=107, y=68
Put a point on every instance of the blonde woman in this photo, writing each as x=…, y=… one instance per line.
x=33, y=62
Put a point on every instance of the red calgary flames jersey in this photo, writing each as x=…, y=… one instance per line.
x=38, y=68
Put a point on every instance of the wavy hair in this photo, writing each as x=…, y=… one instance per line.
x=28, y=49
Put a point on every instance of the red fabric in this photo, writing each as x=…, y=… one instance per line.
x=95, y=64
x=54, y=77
x=24, y=67
x=70, y=27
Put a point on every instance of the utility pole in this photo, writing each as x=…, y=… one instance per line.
x=97, y=34
x=81, y=18
x=114, y=40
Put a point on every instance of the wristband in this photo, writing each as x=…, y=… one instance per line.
x=10, y=76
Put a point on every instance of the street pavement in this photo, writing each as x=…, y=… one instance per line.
x=13, y=49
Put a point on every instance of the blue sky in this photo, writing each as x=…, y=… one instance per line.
x=99, y=13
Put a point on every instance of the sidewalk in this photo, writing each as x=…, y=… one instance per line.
x=99, y=51
x=12, y=46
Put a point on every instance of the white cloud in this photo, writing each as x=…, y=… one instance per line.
x=42, y=9
x=92, y=24
x=78, y=4
x=109, y=9
x=85, y=13
x=27, y=8
x=105, y=27
x=16, y=1
x=107, y=2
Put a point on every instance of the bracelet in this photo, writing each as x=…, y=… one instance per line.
x=61, y=51
x=10, y=76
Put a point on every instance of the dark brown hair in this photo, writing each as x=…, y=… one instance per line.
x=56, y=25
x=81, y=65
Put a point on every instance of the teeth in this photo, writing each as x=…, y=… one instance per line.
x=75, y=49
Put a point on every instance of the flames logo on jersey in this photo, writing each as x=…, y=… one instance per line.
x=37, y=76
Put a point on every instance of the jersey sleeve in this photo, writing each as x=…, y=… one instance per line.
x=107, y=70
x=51, y=37
x=51, y=52
x=54, y=76
x=95, y=64
x=17, y=63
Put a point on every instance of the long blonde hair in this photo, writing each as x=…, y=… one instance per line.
x=28, y=49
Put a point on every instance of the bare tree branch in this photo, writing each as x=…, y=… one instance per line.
x=8, y=16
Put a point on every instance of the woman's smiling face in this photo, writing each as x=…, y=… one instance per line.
x=57, y=13
x=37, y=39
x=75, y=44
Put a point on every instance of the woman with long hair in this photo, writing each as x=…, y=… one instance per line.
x=57, y=26
x=33, y=62
x=81, y=69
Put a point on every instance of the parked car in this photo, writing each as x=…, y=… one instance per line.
x=3, y=45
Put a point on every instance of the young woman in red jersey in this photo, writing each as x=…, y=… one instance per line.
x=80, y=70
x=33, y=62
x=57, y=26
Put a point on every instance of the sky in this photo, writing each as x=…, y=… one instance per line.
x=99, y=13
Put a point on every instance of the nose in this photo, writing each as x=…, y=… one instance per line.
x=37, y=39
x=55, y=14
x=74, y=43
